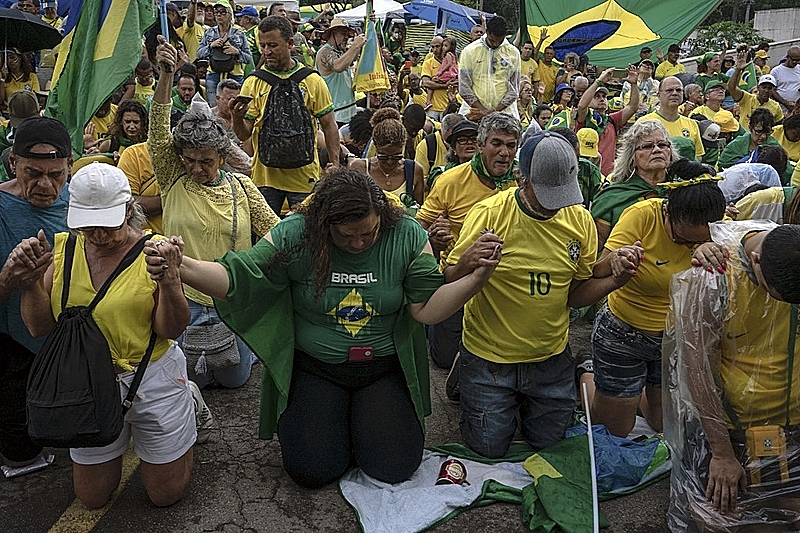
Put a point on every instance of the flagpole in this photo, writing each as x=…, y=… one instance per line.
x=367, y=15
x=593, y=467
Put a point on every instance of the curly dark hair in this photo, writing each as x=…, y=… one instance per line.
x=780, y=259
x=387, y=128
x=116, y=129
x=343, y=197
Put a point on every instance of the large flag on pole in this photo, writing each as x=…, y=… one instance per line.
x=611, y=32
x=371, y=72
x=108, y=45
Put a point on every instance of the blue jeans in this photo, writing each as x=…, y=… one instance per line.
x=232, y=377
x=212, y=80
x=275, y=198
x=625, y=358
x=492, y=394
x=445, y=338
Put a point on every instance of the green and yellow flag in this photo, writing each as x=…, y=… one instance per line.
x=749, y=77
x=611, y=32
x=371, y=72
x=108, y=45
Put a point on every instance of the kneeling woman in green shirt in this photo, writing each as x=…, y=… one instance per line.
x=332, y=302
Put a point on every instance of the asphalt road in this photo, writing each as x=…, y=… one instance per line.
x=238, y=484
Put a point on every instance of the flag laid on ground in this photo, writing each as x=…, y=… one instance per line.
x=611, y=32
x=749, y=78
x=371, y=72
x=108, y=37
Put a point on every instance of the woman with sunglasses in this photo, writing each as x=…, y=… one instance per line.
x=745, y=148
x=389, y=168
x=214, y=210
x=463, y=143
x=626, y=338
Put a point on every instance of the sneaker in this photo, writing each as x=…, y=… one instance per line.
x=202, y=415
x=585, y=364
x=451, y=384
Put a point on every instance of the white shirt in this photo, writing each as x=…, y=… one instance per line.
x=788, y=82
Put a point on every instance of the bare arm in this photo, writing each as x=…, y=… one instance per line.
x=450, y=297
x=588, y=95
x=150, y=204
x=331, y=131
x=428, y=83
x=473, y=257
x=191, y=14
x=733, y=82
x=171, y=312
x=206, y=276
x=538, y=48
x=30, y=267
x=633, y=105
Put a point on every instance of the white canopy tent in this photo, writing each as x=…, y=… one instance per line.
x=382, y=9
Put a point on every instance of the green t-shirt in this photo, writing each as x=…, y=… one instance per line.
x=365, y=291
x=590, y=179
x=610, y=202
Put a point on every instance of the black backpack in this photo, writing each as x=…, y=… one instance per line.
x=287, y=135
x=73, y=395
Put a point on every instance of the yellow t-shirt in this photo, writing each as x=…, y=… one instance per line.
x=490, y=87
x=665, y=69
x=429, y=69
x=683, y=127
x=421, y=156
x=31, y=84
x=521, y=314
x=143, y=94
x=792, y=148
x=454, y=194
x=318, y=102
x=749, y=101
x=124, y=315
x=766, y=204
x=102, y=125
x=705, y=111
x=643, y=301
x=529, y=68
x=191, y=38
x=547, y=75
x=135, y=163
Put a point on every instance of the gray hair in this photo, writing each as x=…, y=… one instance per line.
x=189, y=133
x=498, y=121
x=228, y=83
x=624, y=166
x=689, y=89
x=448, y=122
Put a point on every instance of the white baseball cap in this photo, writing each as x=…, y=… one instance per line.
x=768, y=78
x=98, y=197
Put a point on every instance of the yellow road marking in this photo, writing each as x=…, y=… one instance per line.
x=78, y=519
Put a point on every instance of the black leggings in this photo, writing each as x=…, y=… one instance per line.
x=328, y=427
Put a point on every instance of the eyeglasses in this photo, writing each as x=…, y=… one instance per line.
x=389, y=157
x=649, y=147
x=760, y=133
x=461, y=141
x=90, y=229
x=221, y=11
x=677, y=239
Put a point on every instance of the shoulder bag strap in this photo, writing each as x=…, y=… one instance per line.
x=127, y=261
x=433, y=146
x=69, y=256
x=268, y=77
x=409, y=166
x=235, y=210
x=137, y=378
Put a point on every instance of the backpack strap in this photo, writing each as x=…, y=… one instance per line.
x=127, y=261
x=409, y=166
x=268, y=77
x=432, y=145
x=137, y=378
x=69, y=256
x=301, y=74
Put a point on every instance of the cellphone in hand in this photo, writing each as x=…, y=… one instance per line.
x=242, y=99
x=620, y=73
x=407, y=64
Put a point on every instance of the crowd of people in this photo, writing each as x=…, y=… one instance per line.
x=292, y=220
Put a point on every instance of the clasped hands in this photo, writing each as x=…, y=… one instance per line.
x=163, y=258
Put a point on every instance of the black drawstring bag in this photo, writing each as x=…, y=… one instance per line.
x=73, y=395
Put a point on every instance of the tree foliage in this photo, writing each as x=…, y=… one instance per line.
x=734, y=10
x=723, y=36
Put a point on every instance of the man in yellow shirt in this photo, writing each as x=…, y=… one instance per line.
x=529, y=66
x=430, y=67
x=451, y=198
x=191, y=31
x=284, y=184
x=135, y=163
x=548, y=70
x=670, y=95
x=748, y=101
x=515, y=359
x=714, y=95
x=670, y=67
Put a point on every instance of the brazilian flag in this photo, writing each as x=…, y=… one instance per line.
x=749, y=78
x=611, y=32
x=107, y=38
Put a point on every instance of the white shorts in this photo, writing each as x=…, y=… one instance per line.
x=161, y=418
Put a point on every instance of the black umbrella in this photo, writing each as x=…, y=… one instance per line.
x=26, y=32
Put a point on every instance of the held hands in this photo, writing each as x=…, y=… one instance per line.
x=163, y=258
x=484, y=252
x=711, y=256
x=166, y=53
x=439, y=234
x=726, y=478
x=625, y=262
x=28, y=261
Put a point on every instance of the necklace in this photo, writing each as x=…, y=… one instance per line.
x=387, y=175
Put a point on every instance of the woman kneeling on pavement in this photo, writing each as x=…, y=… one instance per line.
x=214, y=210
x=161, y=420
x=331, y=300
